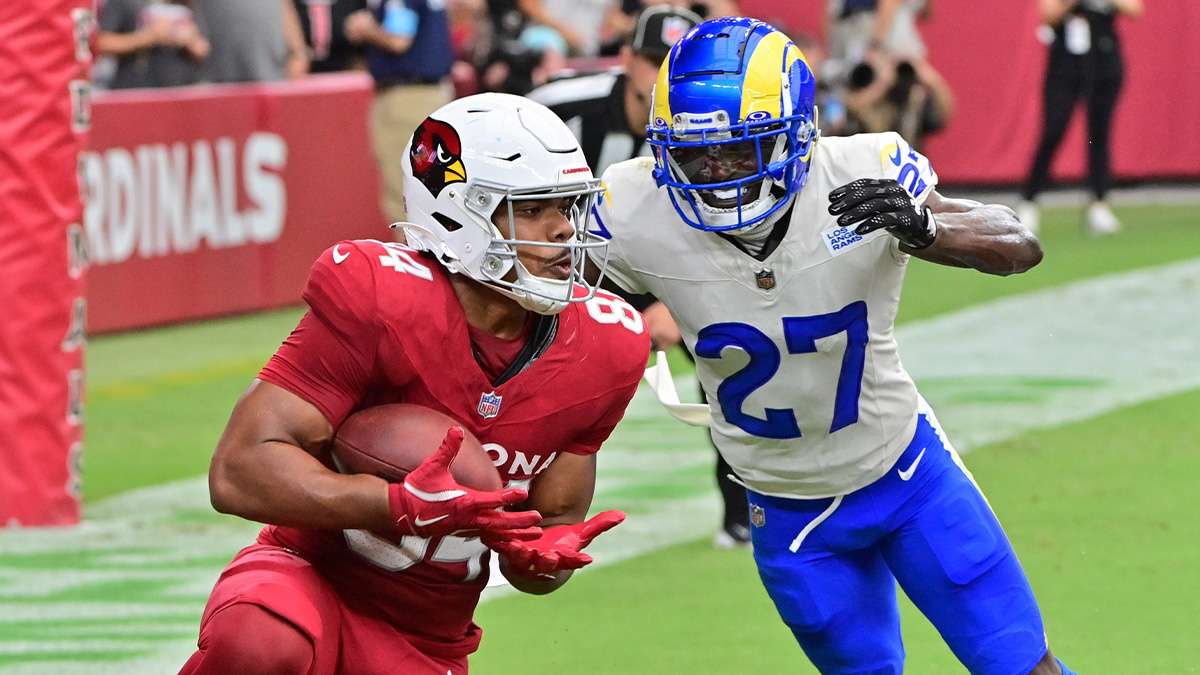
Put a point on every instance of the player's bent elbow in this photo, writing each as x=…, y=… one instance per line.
x=224, y=493
x=1026, y=255
x=1011, y=250
x=1035, y=257
x=1021, y=249
x=220, y=492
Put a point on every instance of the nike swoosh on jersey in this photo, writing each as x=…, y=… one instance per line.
x=422, y=523
x=338, y=256
x=906, y=474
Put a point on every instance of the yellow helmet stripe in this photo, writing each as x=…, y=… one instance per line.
x=660, y=101
x=773, y=55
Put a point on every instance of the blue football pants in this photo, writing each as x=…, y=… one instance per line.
x=926, y=525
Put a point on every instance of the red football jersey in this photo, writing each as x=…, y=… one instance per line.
x=385, y=326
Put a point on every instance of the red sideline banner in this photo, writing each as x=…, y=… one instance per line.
x=213, y=200
x=44, y=93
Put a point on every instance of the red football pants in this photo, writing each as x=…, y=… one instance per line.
x=272, y=613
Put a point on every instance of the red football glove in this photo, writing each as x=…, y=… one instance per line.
x=430, y=503
x=559, y=548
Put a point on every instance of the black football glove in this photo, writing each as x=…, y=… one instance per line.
x=875, y=203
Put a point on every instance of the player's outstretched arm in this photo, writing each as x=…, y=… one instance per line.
x=954, y=232
x=984, y=237
x=562, y=493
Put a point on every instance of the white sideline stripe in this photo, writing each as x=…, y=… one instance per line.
x=67, y=646
x=19, y=585
x=1136, y=335
x=1142, y=195
x=150, y=627
x=67, y=611
x=167, y=659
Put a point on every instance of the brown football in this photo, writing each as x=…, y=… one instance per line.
x=391, y=440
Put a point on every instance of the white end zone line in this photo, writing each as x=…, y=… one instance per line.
x=1068, y=353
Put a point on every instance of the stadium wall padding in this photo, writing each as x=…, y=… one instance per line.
x=44, y=91
x=989, y=53
x=214, y=200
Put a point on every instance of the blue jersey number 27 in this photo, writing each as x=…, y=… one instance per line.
x=800, y=334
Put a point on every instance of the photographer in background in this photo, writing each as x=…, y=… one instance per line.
x=509, y=52
x=905, y=96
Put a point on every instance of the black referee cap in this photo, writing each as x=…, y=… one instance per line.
x=658, y=28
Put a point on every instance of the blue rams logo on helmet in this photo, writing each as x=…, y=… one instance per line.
x=734, y=123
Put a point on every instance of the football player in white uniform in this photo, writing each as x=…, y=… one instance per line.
x=781, y=258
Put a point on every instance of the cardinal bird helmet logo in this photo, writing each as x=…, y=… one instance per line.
x=436, y=156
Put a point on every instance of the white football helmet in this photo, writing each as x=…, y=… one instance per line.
x=478, y=152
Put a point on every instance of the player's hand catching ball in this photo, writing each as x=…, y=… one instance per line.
x=430, y=503
x=869, y=204
x=559, y=548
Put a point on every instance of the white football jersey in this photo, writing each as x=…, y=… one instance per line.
x=797, y=352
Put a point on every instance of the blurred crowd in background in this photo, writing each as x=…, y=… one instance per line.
x=870, y=60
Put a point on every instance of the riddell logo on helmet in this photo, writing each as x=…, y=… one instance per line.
x=578, y=169
x=436, y=156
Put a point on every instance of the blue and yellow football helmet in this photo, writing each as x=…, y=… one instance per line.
x=733, y=123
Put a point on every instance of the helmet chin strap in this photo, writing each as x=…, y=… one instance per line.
x=758, y=232
x=541, y=303
x=531, y=302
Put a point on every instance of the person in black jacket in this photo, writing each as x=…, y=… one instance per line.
x=1085, y=64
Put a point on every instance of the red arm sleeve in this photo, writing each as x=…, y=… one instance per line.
x=626, y=349
x=316, y=364
x=329, y=359
x=590, y=442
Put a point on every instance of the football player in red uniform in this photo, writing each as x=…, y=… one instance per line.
x=484, y=317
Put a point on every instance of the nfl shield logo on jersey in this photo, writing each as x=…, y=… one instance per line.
x=765, y=278
x=758, y=517
x=489, y=405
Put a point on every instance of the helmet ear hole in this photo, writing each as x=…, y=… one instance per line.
x=447, y=222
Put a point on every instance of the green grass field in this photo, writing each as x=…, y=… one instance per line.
x=1097, y=499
